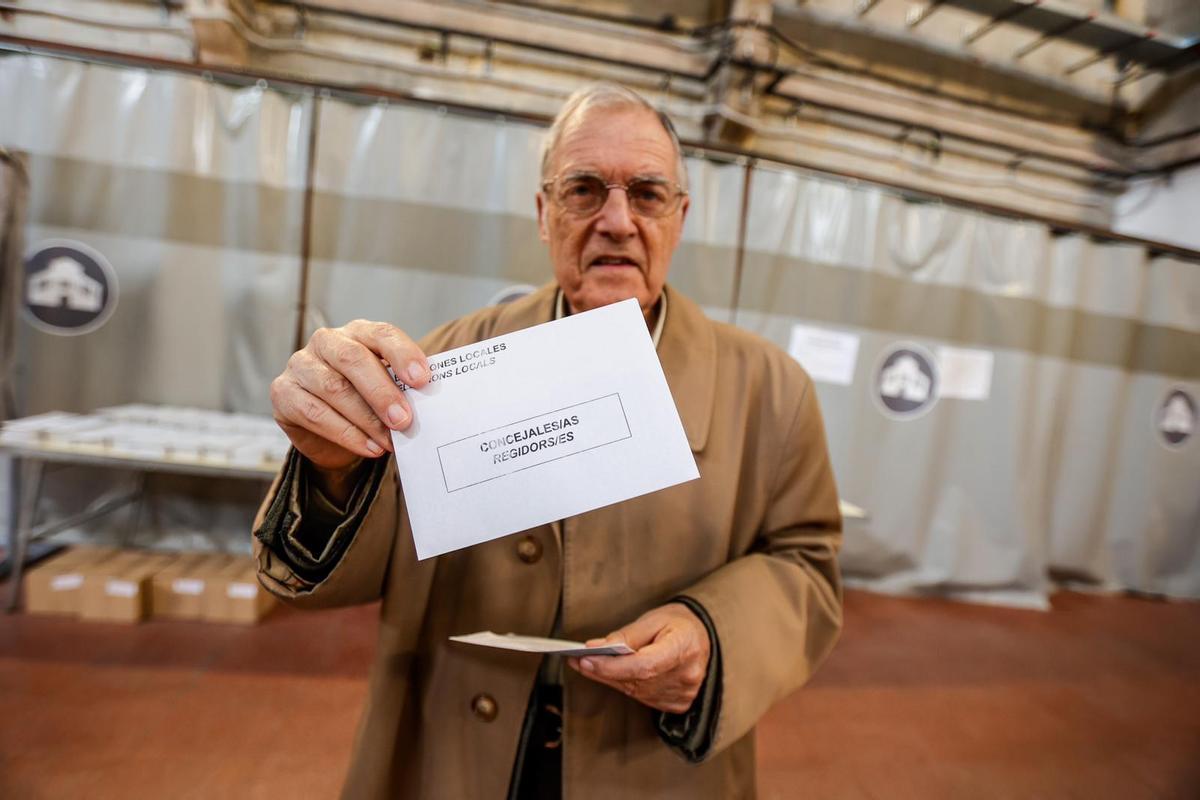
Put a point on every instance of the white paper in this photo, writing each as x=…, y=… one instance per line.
x=851, y=511
x=192, y=586
x=242, y=591
x=536, y=644
x=826, y=355
x=117, y=588
x=49, y=427
x=965, y=374
x=67, y=582
x=536, y=426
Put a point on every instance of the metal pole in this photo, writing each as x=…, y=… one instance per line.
x=306, y=226
x=14, y=194
x=739, y=259
x=29, y=493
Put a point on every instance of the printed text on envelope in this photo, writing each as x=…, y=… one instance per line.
x=531, y=442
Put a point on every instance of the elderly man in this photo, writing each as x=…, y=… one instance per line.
x=727, y=587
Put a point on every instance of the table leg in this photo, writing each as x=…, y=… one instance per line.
x=138, y=493
x=27, y=493
x=14, y=492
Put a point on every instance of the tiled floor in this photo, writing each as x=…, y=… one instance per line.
x=922, y=699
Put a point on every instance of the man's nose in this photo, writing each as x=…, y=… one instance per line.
x=616, y=217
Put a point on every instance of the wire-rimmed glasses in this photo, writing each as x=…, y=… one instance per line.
x=584, y=193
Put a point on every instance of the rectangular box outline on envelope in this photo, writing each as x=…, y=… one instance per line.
x=557, y=454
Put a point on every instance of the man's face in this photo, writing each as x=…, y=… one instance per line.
x=612, y=254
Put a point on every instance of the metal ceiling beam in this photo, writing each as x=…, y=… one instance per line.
x=289, y=83
x=916, y=16
x=863, y=6
x=1062, y=29
x=1056, y=19
x=1084, y=153
x=513, y=25
x=995, y=22
x=1111, y=50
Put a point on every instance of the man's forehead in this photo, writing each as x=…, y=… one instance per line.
x=624, y=138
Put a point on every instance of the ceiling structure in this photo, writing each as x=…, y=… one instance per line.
x=1035, y=107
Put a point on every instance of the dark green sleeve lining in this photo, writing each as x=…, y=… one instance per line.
x=691, y=733
x=305, y=529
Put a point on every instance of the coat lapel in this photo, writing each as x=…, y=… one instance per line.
x=688, y=352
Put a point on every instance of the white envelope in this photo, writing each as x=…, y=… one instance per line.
x=536, y=644
x=536, y=426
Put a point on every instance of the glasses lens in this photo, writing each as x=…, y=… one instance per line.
x=651, y=198
x=582, y=194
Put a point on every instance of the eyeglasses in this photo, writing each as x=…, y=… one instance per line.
x=585, y=194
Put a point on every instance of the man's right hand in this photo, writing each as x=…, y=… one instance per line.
x=336, y=401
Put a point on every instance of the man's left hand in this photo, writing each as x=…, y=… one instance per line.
x=669, y=666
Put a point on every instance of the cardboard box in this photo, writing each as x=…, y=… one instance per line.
x=234, y=595
x=56, y=585
x=177, y=591
x=118, y=589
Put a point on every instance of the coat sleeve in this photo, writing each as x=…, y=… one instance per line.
x=777, y=610
x=346, y=563
x=311, y=558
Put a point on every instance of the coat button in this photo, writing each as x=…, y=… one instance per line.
x=529, y=549
x=484, y=706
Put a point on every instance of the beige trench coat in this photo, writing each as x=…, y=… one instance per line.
x=754, y=541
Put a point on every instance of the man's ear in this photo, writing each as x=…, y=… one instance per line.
x=543, y=233
x=687, y=201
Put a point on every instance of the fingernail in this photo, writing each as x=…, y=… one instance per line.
x=397, y=415
x=415, y=371
x=375, y=449
x=588, y=665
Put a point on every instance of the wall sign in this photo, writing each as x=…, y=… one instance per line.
x=966, y=374
x=1176, y=418
x=70, y=288
x=827, y=355
x=906, y=381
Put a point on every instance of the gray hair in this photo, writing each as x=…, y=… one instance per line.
x=606, y=94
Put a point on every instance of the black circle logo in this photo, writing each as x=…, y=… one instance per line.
x=70, y=288
x=1176, y=417
x=906, y=382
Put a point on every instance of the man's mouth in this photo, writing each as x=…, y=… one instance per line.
x=613, y=261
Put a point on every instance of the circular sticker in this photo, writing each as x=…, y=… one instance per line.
x=906, y=381
x=1176, y=418
x=511, y=293
x=70, y=289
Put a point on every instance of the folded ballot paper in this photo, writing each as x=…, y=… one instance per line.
x=536, y=426
x=536, y=644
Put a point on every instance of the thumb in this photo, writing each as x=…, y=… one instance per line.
x=616, y=637
x=636, y=634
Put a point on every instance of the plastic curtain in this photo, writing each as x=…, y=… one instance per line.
x=1042, y=451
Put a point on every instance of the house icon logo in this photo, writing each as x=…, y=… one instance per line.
x=906, y=381
x=1176, y=418
x=69, y=288
x=65, y=283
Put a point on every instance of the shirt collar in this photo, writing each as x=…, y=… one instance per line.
x=560, y=311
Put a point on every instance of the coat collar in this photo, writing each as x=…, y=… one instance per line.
x=687, y=351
